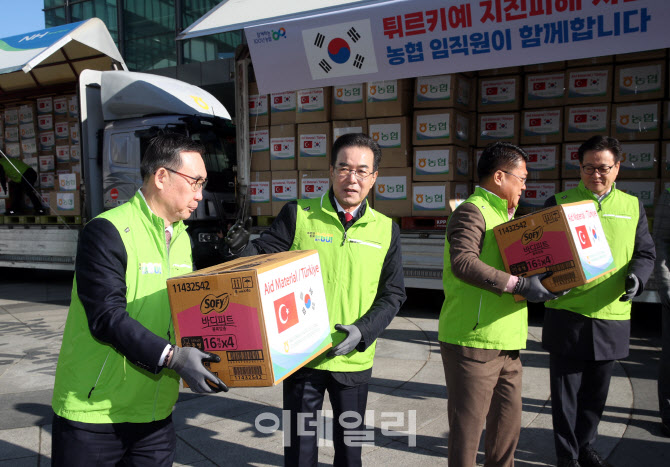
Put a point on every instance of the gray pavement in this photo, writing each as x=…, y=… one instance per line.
x=407, y=403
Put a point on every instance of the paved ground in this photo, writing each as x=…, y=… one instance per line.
x=407, y=393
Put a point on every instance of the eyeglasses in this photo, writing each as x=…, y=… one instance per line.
x=344, y=172
x=602, y=170
x=522, y=180
x=196, y=184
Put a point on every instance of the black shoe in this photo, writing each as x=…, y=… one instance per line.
x=665, y=427
x=564, y=462
x=588, y=457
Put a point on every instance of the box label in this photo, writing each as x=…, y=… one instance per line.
x=636, y=118
x=434, y=126
x=571, y=156
x=542, y=87
x=536, y=194
x=284, y=190
x=62, y=130
x=27, y=130
x=44, y=105
x=45, y=122
x=47, y=181
x=311, y=100
x=74, y=133
x=11, y=116
x=313, y=145
x=541, y=158
x=65, y=201
x=29, y=146
x=433, y=88
x=67, y=182
x=260, y=192
x=75, y=153
x=283, y=102
x=350, y=94
x=498, y=91
x=12, y=134
x=430, y=198
x=587, y=119
x=383, y=91
x=26, y=114
x=337, y=132
x=497, y=127
x=259, y=140
x=637, y=156
x=589, y=238
x=282, y=148
x=387, y=135
x=258, y=105
x=60, y=106
x=640, y=79
x=13, y=149
x=546, y=122
x=588, y=83
x=63, y=153
x=313, y=187
x=391, y=188
x=644, y=190
x=432, y=161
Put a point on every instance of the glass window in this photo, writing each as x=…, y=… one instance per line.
x=118, y=149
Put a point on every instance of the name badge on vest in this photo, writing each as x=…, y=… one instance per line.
x=151, y=268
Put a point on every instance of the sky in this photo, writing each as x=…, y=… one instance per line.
x=25, y=18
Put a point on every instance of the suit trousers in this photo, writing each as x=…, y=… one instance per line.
x=77, y=444
x=303, y=396
x=483, y=392
x=578, y=394
x=664, y=368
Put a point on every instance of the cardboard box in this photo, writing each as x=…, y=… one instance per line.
x=75, y=152
x=543, y=162
x=544, y=67
x=13, y=149
x=65, y=203
x=645, y=190
x=313, y=105
x=591, y=61
x=589, y=85
x=639, y=121
x=265, y=316
x=69, y=182
x=457, y=192
x=61, y=105
x=47, y=163
x=314, y=144
x=283, y=147
x=343, y=127
x=62, y=132
x=259, y=113
x=665, y=162
x=29, y=147
x=282, y=107
x=441, y=126
x=392, y=192
x=441, y=163
x=635, y=56
x=284, y=189
x=45, y=105
x=259, y=194
x=26, y=131
x=536, y=193
x=640, y=160
x=476, y=155
x=544, y=90
x=444, y=91
x=74, y=133
x=313, y=183
x=388, y=98
x=47, y=140
x=430, y=199
x=348, y=102
x=569, y=184
x=639, y=81
x=11, y=116
x=63, y=153
x=73, y=108
x=12, y=134
x=570, y=166
x=392, y=136
x=47, y=181
x=259, y=146
x=567, y=239
x=27, y=114
x=45, y=122
x=498, y=127
x=499, y=94
x=510, y=70
x=542, y=126
x=583, y=122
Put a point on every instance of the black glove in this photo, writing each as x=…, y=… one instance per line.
x=238, y=236
x=187, y=362
x=531, y=288
x=349, y=343
x=632, y=286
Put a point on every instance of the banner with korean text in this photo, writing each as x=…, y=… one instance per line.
x=409, y=38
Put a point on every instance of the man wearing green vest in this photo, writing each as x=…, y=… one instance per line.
x=661, y=235
x=23, y=178
x=359, y=249
x=586, y=330
x=117, y=378
x=481, y=327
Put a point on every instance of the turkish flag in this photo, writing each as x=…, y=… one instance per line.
x=581, y=118
x=491, y=126
x=491, y=91
x=535, y=122
x=286, y=312
x=582, y=233
x=580, y=83
x=539, y=86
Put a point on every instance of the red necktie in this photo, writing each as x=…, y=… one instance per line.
x=168, y=237
x=347, y=217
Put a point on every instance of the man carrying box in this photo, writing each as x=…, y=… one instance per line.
x=23, y=178
x=117, y=378
x=359, y=250
x=482, y=328
x=588, y=329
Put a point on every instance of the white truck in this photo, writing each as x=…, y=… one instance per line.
x=119, y=112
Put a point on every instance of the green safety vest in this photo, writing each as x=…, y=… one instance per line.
x=14, y=168
x=351, y=265
x=474, y=317
x=124, y=392
x=619, y=214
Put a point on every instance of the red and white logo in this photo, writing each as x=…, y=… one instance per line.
x=580, y=118
x=491, y=91
x=535, y=122
x=309, y=188
x=490, y=126
x=286, y=312
x=583, y=235
x=539, y=86
x=307, y=144
x=277, y=147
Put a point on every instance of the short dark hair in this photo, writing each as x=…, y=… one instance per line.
x=499, y=156
x=164, y=150
x=601, y=143
x=356, y=140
